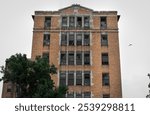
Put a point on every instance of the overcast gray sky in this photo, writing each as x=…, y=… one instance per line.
x=16, y=26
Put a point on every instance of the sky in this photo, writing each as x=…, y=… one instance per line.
x=16, y=26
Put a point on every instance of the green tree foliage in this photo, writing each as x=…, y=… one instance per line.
x=31, y=78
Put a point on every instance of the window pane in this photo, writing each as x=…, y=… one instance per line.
x=79, y=58
x=79, y=39
x=64, y=39
x=71, y=78
x=63, y=56
x=86, y=22
x=87, y=79
x=78, y=95
x=71, y=21
x=62, y=81
x=86, y=39
x=104, y=40
x=87, y=94
x=70, y=95
x=103, y=23
x=86, y=58
x=70, y=58
x=105, y=79
x=105, y=59
x=71, y=39
x=47, y=23
x=79, y=78
x=79, y=21
x=64, y=21
x=46, y=40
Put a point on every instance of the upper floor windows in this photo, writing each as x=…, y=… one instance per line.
x=46, y=39
x=72, y=38
x=105, y=59
x=103, y=22
x=105, y=79
x=104, y=40
x=75, y=21
x=47, y=23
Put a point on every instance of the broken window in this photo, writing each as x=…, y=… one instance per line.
x=71, y=21
x=79, y=58
x=78, y=95
x=79, y=39
x=64, y=21
x=105, y=60
x=87, y=58
x=79, y=78
x=70, y=58
x=87, y=79
x=47, y=23
x=63, y=57
x=86, y=39
x=87, y=94
x=105, y=79
x=71, y=39
x=45, y=56
x=103, y=22
x=104, y=40
x=106, y=95
x=71, y=78
x=70, y=95
x=86, y=22
x=79, y=21
x=64, y=39
x=62, y=80
x=46, y=40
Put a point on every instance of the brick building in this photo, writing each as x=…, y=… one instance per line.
x=84, y=45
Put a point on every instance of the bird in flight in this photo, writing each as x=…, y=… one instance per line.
x=130, y=45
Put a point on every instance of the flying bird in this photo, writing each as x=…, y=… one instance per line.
x=130, y=45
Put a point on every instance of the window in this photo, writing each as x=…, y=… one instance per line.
x=9, y=88
x=78, y=95
x=46, y=40
x=62, y=80
x=47, y=23
x=70, y=95
x=106, y=95
x=86, y=39
x=86, y=22
x=71, y=39
x=87, y=94
x=46, y=56
x=71, y=78
x=86, y=58
x=79, y=39
x=79, y=78
x=64, y=21
x=79, y=21
x=71, y=21
x=79, y=58
x=104, y=40
x=105, y=79
x=64, y=39
x=87, y=80
x=70, y=58
x=105, y=60
x=103, y=22
x=63, y=57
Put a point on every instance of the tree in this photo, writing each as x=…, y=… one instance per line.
x=31, y=78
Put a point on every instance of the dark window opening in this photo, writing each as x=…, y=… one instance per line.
x=79, y=58
x=70, y=58
x=9, y=88
x=79, y=39
x=62, y=81
x=86, y=58
x=46, y=56
x=106, y=95
x=105, y=79
x=70, y=95
x=86, y=39
x=64, y=39
x=47, y=23
x=86, y=22
x=78, y=95
x=104, y=40
x=87, y=94
x=64, y=21
x=71, y=21
x=87, y=79
x=46, y=40
x=71, y=39
x=103, y=22
x=79, y=21
x=71, y=78
x=79, y=78
x=63, y=57
x=105, y=60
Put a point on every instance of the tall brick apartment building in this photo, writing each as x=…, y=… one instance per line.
x=84, y=45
